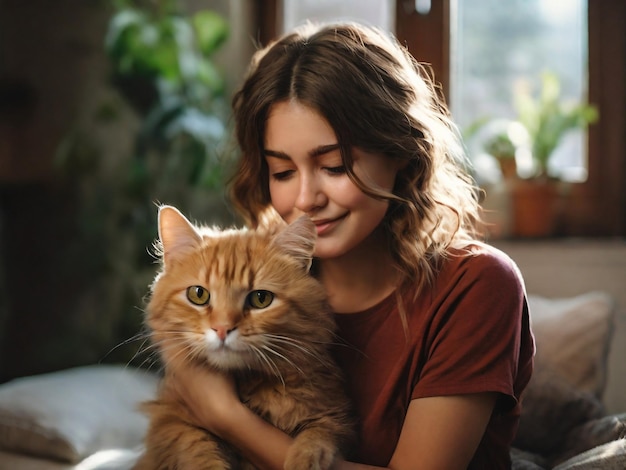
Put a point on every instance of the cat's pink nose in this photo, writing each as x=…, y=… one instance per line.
x=222, y=331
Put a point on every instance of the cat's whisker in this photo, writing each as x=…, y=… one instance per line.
x=152, y=351
x=297, y=344
x=136, y=337
x=142, y=349
x=179, y=348
x=150, y=347
x=175, y=340
x=290, y=340
x=310, y=341
x=151, y=363
x=271, y=364
x=286, y=359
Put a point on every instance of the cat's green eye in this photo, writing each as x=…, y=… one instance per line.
x=198, y=295
x=259, y=299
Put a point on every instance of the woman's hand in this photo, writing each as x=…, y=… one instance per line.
x=210, y=395
x=214, y=405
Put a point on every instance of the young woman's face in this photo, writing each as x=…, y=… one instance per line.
x=307, y=176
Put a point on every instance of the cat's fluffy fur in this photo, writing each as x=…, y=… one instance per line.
x=278, y=354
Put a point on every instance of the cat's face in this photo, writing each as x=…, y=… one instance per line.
x=236, y=299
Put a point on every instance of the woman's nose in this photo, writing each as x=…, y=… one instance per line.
x=310, y=195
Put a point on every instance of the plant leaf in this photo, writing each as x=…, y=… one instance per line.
x=211, y=31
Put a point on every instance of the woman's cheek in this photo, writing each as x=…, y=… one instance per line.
x=348, y=194
x=280, y=199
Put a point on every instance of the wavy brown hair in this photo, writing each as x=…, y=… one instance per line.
x=378, y=98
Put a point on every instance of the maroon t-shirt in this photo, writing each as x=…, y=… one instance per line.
x=467, y=333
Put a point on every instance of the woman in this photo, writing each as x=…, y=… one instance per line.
x=340, y=123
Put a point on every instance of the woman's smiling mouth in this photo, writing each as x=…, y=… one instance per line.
x=325, y=225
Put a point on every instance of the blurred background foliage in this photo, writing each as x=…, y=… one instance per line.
x=161, y=65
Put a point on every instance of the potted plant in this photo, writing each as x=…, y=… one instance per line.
x=504, y=141
x=547, y=119
x=524, y=147
x=503, y=150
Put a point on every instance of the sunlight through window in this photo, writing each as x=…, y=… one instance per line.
x=502, y=49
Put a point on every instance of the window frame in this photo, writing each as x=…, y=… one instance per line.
x=596, y=207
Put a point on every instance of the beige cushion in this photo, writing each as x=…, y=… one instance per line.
x=573, y=337
x=71, y=414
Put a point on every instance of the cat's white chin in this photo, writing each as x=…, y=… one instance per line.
x=224, y=354
x=225, y=360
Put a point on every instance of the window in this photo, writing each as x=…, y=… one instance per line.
x=499, y=49
x=377, y=12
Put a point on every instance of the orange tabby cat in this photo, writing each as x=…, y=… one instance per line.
x=243, y=302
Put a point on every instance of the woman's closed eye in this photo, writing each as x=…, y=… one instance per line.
x=282, y=175
x=335, y=170
x=331, y=170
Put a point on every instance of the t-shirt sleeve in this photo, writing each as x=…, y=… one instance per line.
x=473, y=342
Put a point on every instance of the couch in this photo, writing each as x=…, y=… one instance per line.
x=575, y=405
x=86, y=418
x=564, y=422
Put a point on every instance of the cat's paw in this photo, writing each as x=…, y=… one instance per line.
x=309, y=455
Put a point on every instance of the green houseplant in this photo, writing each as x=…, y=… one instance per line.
x=537, y=201
x=544, y=118
x=548, y=119
x=503, y=142
x=162, y=64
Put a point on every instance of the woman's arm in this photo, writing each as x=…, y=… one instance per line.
x=270, y=451
x=442, y=432
x=433, y=426
x=213, y=401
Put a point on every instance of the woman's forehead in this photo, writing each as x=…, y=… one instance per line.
x=292, y=124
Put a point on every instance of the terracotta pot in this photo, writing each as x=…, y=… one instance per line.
x=508, y=167
x=534, y=204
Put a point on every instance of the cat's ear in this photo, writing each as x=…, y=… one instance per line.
x=298, y=240
x=269, y=221
x=176, y=234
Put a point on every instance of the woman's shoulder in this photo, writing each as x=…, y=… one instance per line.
x=479, y=262
x=478, y=254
